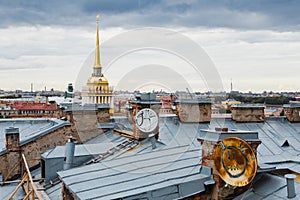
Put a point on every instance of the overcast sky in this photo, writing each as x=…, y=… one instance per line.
x=48, y=43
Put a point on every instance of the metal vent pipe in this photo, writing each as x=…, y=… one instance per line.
x=152, y=140
x=290, y=185
x=69, y=153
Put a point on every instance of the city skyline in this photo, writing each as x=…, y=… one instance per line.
x=254, y=43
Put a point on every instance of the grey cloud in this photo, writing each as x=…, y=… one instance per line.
x=249, y=14
x=20, y=67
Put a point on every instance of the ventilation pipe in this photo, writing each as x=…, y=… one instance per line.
x=290, y=185
x=69, y=153
x=152, y=140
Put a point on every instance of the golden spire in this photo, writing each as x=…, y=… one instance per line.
x=97, y=51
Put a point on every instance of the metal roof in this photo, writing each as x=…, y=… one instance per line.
x=292, y=105
x=247, y=106
x=176, y=145
x=280, y=148
x=106, y=125
x=268, y=187
x=78, y=107
x=6, y=191
x=216, y=136
x=80, y=150
x=193, y=101
x=115, y=177
x=30, y=128
x=168, y=173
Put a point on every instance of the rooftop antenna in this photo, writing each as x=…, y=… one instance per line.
x=187, y=89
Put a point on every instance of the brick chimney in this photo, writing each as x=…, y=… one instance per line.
x=209, y=140
x=12, y=164
x=292, y=112
x=144, y=100
x=248, y=113
x=193, y=111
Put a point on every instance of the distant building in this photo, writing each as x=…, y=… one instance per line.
x=98, y=90
x=33, y=109
x=229, y=102
x=167, y=106
x=7, y=111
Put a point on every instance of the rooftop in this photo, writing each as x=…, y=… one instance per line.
x=247, y=106
x=30, y=128
x=153, y=174
x=261, y=189
x=279, y=150
x=33, y=106
x=173, y=168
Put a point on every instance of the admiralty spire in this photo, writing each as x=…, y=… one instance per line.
x=98, y=90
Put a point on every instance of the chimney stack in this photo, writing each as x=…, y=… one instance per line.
x=12, y=136
x=143, y=101
x=248, y=113
x=193, y=110
x=13, y=154
x=292, y=111
x=222, y=142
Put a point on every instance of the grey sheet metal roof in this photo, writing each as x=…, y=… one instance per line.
x=168, y=173
x=216, y=136
x=268, y=187
x=292, y=105
x=280, y=148
x=109, y=125
x=114, y=177
x=30, y=128
x=247, y=106
x=78, y=107
x=5, y=191
x=55, y=192
x=193, y=101
x=80, y=150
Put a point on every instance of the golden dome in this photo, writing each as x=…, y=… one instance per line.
x=97, y=80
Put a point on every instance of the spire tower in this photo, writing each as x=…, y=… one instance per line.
x=98, y=90
x=97, y=65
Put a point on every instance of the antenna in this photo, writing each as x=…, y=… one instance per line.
x=231, y=85
x=187, y=89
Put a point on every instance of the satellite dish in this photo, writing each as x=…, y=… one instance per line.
x=235, y=161
x=146, y=120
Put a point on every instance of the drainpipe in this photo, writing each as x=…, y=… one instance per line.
x=290, y=185
x=69, y=153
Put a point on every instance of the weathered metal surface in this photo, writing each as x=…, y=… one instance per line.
x=235, y=161
x=140, y=176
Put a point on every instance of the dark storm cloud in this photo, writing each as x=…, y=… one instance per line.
x=250, y=14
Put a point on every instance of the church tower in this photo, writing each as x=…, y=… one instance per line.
x=98, y=90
